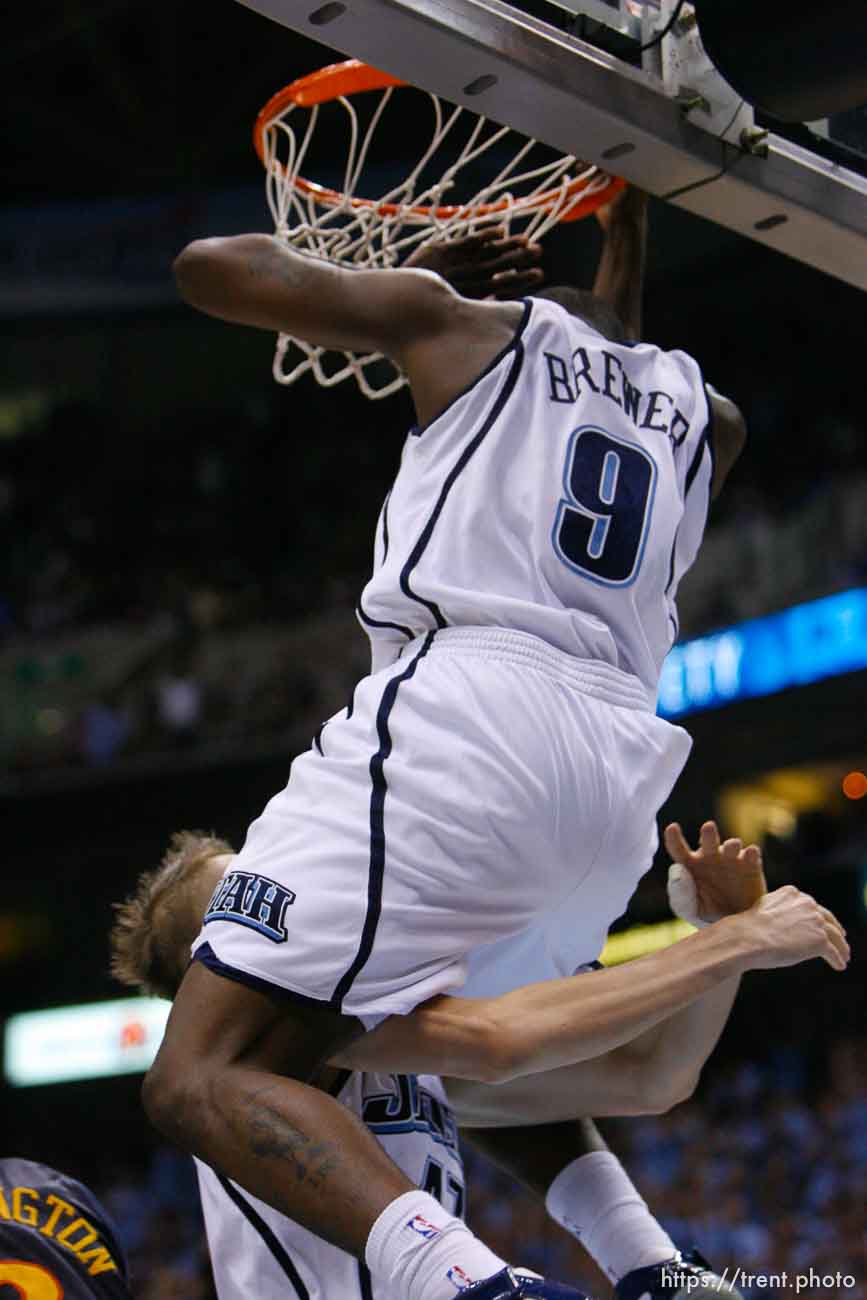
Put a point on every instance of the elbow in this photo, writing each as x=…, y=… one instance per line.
x=479, y=1049
x=660, y=1093
x=195, y=268
x=649, y=1087
x=159, y=1097
x=169, y=1103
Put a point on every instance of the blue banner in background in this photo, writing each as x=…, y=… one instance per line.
x=792, y=648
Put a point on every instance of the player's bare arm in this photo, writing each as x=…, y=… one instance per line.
x=620, y=283
x=561, y=1022
x=714, y=880
x=620, y=274
x=214, y=1090
x=659, y=1068
x=729, y=433
x=652, y=1073
x=495, y=1039
x=441, y=340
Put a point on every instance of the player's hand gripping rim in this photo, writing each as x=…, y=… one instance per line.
x=487, y=264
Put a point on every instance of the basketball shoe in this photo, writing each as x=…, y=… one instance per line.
x=509, y=1284
x=681, y=1278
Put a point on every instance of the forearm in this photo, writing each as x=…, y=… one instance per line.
x=610, y=1085
x=648, y=1075
x=560, y=1023
x=556, y=1023
x=675, y=1051
x=256, y=280
x=620, y=274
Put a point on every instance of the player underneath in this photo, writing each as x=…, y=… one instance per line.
x=253, y=1247
x=485, y=807
x=56, y=1240
x=254, y=1250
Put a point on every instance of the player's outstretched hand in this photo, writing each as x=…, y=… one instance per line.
x=488, y=264
x=714, y=880
x=787, y=927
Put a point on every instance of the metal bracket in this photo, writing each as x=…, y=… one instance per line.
x=559, y=89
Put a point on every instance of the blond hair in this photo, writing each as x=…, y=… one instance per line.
x=153, y=929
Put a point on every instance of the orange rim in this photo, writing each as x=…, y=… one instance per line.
x=353, y=77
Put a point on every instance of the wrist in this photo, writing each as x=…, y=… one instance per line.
x=740, y=938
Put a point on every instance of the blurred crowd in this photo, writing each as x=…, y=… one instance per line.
x=758, y=559
x=763, y=1172
x=759, y=1172
x=174, y=593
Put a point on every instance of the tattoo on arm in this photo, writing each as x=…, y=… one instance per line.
x=271, y=1136
x=272, y=262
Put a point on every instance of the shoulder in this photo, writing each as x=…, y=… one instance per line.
x=429, y=316
x=457, y=315
x=468, y=339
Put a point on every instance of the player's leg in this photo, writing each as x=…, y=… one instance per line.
x=214, y=1089
x=585, y=1188
x=589, y=1193
x=333, y=898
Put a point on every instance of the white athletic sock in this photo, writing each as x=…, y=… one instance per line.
x=595, y=1200
x=420, y=1252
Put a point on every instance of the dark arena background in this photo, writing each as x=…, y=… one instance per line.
x=181, y=545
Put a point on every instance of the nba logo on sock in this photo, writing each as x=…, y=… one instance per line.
x=459, y=1278
x=423, y=1227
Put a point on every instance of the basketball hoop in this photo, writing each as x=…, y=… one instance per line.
x=490, y=174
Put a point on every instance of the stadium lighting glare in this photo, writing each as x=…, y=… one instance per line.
x=795, y=647
x=639, y=940
x=91, y=1041
x=855, y=785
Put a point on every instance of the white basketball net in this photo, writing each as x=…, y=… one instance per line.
x=359, y=232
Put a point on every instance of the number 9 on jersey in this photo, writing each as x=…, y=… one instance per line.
x=603, y=520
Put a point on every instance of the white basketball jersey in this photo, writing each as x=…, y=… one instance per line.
x=258, y=1254
x=564, y=494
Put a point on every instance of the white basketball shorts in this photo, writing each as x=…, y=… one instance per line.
x=485, y=795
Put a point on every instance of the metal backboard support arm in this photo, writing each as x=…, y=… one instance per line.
x=488, y=56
